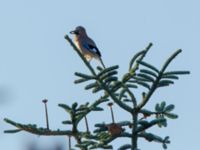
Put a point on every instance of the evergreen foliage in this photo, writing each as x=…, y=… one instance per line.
x=141, y=74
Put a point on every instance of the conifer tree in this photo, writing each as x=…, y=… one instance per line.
x=121, y=92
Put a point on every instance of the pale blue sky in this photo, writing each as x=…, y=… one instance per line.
x=37, y=63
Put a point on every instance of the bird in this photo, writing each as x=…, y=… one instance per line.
x=86, y=45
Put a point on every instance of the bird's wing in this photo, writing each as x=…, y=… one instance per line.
x=92, y=48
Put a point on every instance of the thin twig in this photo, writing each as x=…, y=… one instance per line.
x=69, y=142
x=46, y=113
x=111, y=110
x=86, y=124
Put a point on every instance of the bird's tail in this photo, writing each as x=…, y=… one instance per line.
x=101, y=61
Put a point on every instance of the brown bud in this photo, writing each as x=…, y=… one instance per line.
x=114, y=129
x=44, y=100
x=110, y=104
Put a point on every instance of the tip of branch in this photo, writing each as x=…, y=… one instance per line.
x=150, y=44
x=6, y=119
x=44, y=100
x=66, y=36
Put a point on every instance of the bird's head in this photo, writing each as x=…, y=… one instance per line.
x=79, y=31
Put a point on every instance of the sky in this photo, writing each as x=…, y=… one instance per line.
x=37, y=63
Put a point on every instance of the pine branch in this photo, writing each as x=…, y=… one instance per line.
x=152, y=137
x=156, y=82
x=147, y=125
x=38, y=131
x=110, y=93
x=92, y=106
x=105, y=79
x=138, y=57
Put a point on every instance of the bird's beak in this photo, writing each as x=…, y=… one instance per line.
x=73, y=32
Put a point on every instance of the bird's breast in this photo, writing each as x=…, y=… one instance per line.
x=77, y=43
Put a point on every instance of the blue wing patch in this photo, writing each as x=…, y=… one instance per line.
x=92, y=49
